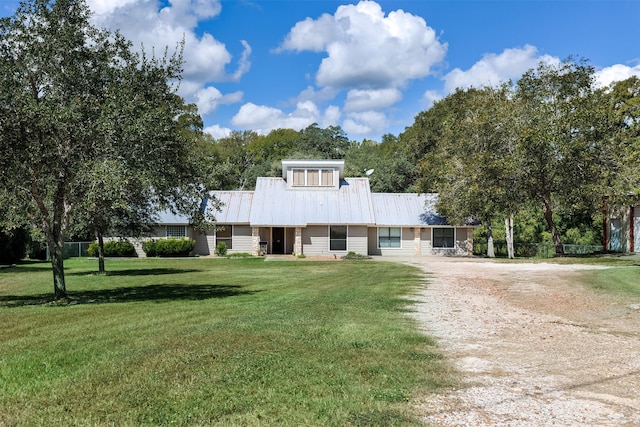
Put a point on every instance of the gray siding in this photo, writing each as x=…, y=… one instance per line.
x=356, y=240
x=242, y=241
x=406, y=248
x=372, y=246
x=315, y=240
x=204, y=242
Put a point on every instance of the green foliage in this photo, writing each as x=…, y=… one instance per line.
x=168, y=247
x=89, y=126
x=355, y=256
x=114, y=248
x=13, y=245
x=221, y=249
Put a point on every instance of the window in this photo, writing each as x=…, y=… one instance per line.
x=223, y=234
x=176, y=231
x=312, y=177
x=326, y=178
x=298, y=177
x=443, y=238
x=389, y=237
x=338, y=238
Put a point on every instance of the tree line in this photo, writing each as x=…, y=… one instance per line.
x=94, y=140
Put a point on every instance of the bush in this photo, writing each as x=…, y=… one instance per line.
x=114, y=248
x=168, y=247
x=354, y=255
x=221, y=249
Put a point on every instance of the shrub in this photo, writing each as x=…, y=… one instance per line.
x=168, y=247
x=353, y=255
x=114, y=248
x=221, y=249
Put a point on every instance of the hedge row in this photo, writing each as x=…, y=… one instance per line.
x=168, y=247
x=114, y=248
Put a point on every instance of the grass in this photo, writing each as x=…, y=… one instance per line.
x=213, y=342
x=624, y=281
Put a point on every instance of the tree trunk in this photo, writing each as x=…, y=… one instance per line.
x=56, y=251
x=490, y=250
x=548, y=216
x=508, y=223
x=100, y=252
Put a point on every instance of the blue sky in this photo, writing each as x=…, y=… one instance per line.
x=366, y=66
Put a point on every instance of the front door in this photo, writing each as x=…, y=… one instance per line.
x=277, y=236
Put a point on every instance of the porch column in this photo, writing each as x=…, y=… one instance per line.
x=416, y=240
x=255, y=241
x=297, y=244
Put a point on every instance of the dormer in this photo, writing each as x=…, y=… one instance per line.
x=313, y=174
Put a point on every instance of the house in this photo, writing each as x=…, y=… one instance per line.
x=621, y=228
x=312, y=209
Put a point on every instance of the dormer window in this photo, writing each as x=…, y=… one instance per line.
x=318, y=175
x=313, y=178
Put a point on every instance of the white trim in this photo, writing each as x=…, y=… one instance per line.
x=175, y=228
x=388, y=247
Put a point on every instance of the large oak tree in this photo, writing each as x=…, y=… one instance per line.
x=75, y=99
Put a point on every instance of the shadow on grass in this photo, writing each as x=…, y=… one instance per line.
x=135, y=272
x=153, y=293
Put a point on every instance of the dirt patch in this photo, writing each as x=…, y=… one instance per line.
x=533, y=345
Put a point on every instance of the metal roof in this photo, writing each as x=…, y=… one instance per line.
x=274, y=205
x=169, y=218
x=235, y=206
x=406, y=209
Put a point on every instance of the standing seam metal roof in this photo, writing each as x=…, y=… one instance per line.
x=273, y=205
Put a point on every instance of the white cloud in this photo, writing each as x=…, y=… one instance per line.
x=331, y=116
x=367, y=100
x=209, y=98
x=156, y=27
x=366, y=49
x=365, y=123
x=263, y=119
x=614, y=73
x=217, y=131
x=494, y=69
x=430, y=97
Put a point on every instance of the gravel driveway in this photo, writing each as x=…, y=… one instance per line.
x=533, y=345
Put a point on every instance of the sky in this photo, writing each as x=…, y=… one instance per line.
x=369, y=67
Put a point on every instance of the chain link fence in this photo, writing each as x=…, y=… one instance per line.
x=535, y=250
x=73, y=250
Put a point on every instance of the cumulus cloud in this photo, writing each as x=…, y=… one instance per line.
x=217, y=131
x=364, y=100
x=614, y=73
x=150, y=24
x=263, y=119
x=492, y=69
x=209, y=98
x=365, y=123
x=366, y=49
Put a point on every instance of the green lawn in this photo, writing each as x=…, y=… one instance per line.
x=212, y=341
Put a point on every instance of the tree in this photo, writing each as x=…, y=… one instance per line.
x=624, y=104
x=564, y=136
x=74, y=102
x=475, y=171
